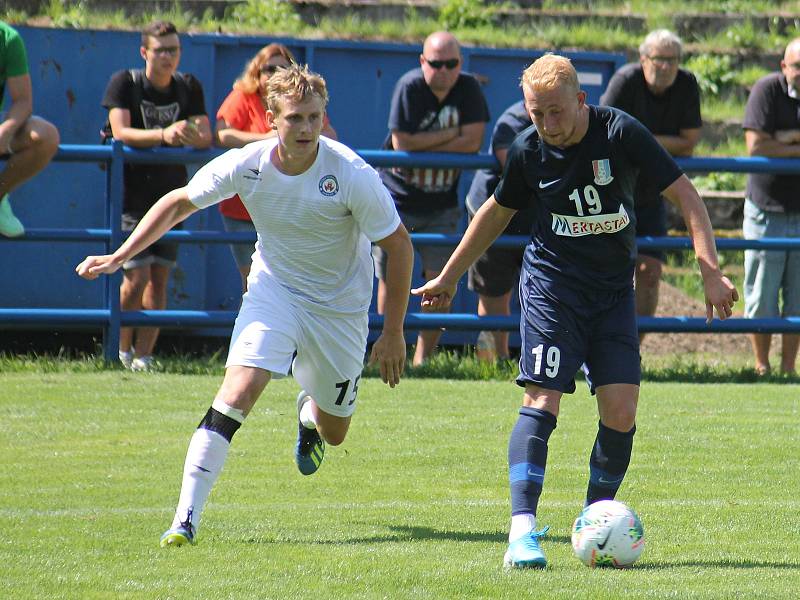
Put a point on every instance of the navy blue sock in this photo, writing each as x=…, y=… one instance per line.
x=608, y=462
x=527, y=457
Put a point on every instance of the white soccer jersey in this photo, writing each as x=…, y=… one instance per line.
x=314, y=229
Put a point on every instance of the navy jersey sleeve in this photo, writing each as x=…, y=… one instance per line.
x=513, y=190
x=197, y=103
x=643, y=150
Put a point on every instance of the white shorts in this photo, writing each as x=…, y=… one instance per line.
x=270, y=329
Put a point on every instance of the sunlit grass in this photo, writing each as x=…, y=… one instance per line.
x=413, y=505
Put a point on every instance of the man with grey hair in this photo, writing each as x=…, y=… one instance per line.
x=666, y=99
x=435, y=108
x=772, y=206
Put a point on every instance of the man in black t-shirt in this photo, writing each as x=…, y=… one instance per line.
x=666, y=99
x=151, y=108
x=772, y=206
x=435, y=108
x=576, y=170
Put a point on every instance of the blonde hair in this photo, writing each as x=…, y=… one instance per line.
x=248, y=80
x=295, y=83
x=549, y=72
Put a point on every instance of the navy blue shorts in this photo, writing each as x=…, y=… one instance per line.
x=651, y=220
x=564, y=329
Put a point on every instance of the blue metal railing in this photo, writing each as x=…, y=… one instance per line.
x=111, y=317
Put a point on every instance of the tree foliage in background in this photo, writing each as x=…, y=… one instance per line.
x=468, y=14
x=713, y=72
x=266, y=15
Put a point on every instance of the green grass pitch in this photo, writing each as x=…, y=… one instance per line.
x=413, y=505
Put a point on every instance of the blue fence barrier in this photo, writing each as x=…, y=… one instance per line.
x=110, y=317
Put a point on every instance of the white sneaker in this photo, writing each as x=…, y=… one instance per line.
x=10, y=225
x=143, y=363
x=126, y=358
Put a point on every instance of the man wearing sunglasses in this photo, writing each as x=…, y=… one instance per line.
x=152, y=107
x=666, y=99
x=435, y=108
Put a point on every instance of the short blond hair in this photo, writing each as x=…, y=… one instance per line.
x=549, y=72
x=295, y=83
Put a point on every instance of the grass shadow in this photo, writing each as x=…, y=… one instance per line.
x=404, y=533
x=717, y=564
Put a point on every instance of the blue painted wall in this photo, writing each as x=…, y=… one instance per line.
x=70, y=69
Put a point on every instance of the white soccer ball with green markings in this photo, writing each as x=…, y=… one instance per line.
x=608, y=534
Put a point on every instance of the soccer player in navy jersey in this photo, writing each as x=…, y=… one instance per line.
x=576, y=168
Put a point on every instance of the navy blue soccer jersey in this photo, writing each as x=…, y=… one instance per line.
x=582, y=196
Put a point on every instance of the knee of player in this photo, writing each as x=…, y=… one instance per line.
x=623, y=419
x=243, y=398
x=333, y=438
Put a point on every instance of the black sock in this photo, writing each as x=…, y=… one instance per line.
x=608, y=462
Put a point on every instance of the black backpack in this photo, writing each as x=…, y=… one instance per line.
x=181, y=88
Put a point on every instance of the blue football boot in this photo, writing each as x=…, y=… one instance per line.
x=178, y=536
x=310, y=448
x=525, y=553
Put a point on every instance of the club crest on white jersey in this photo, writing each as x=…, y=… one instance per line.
x=328, y=185
x=602, y=171
x=570, y=226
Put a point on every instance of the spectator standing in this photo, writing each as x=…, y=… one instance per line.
x=241, y=119
x=666, y=99
x=152, y=107
x=29, y=142
x=496, y=272
x=435, y=108
x=576, y=170
x=772, y=206
x=318, y=205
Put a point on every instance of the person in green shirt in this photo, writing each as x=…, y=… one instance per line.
x=27, y=141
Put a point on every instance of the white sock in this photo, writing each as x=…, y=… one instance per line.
x=307, y=416
x=204, y=460
x=126, y=358
x=520, y=525
x=234, y=413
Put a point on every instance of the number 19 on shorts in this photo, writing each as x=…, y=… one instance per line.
x=551, y=358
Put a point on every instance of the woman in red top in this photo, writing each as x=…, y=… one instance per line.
x=242, y=119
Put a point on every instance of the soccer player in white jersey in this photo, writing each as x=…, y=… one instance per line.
x=316, y=206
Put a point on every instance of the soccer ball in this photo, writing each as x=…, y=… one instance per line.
x=608, y=534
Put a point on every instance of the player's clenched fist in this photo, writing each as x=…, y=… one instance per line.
x=94, y=266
